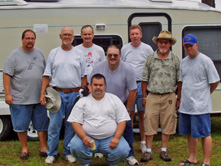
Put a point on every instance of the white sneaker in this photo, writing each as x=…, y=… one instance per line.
x=70, y=158
x=143, y=148
x=132, y=161
x=98, y=155
x=50, y=159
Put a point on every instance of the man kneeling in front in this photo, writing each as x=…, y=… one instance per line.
x=99, y=121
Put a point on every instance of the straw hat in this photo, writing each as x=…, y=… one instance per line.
x=53, y=100
x=164, y=35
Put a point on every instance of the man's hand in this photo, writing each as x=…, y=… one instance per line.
x=9, y=99
x=43, y=100
x=113, y=143
x=87, y=141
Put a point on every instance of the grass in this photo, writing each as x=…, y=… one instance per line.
x=178, y=151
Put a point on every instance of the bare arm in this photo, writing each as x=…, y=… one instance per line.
x=179, y=86
x=81, y=133
x=7, y=83
x=131, y=98
x=119, y=131
x=144, y=91
x=213, y=86
x=45, y=83
x=84, y=81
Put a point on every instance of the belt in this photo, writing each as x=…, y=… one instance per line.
x=162, y=93
x=68, y=90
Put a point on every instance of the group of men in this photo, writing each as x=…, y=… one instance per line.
x=102, y=122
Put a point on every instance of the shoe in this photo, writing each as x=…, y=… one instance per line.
x=85, y=165
x=50, y=159
x=147, y=157
x=43, y=154
x=24, y=156
x=164, y=156
x=143, y=148
x=187, y=162
x=70, y=158
x=98, y=155
x=132, y=161
x=205, y=165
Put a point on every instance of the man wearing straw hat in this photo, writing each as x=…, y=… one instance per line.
x=160, y=78
x=65, y=70
x=22, y=77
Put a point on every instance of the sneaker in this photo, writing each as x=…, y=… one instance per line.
x=98, y=155
x=132, y=161
x=50, y=159
x=147, y=157
x=164, y=156
x=85, y=165
x=70, y=158
x=143, y=148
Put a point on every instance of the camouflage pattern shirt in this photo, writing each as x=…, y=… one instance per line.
x=161, y=75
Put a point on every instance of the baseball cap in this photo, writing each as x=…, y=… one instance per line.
x=190, y=39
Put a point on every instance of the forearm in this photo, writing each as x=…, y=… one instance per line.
x=131, y=98
x=45, y=83
x=144, y=88
x=179, y=86
x=120, y=129
x=84, y=81
x=213, y=86
x=79, y=130
x=7, y=83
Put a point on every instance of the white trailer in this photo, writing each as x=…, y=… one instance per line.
x=111, y=20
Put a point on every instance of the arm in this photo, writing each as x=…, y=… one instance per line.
x=84, y=81
x=131, y=98
x=144, y=91
x=45, y=83
x=119, y=131
x=7, y=83
x=178, y=95
x=81, y=133
x=213, y=86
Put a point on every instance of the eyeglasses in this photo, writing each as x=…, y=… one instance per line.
x=110, y=55
x=67, y=34
x=28, y=38
x=164, y=42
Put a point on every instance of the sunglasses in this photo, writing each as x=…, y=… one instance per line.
x=114, y=55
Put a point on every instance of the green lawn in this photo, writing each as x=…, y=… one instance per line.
x=178, y=151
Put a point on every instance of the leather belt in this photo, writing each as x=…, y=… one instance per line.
x=162, y=93
x=68, y=90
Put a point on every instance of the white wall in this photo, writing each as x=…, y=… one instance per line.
x=218, y=4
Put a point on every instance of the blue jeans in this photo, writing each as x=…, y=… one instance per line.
x=22, y=115
x=56, y=119
x=128, y=135
x=83, y=153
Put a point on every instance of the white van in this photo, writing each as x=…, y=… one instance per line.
x=111, y=20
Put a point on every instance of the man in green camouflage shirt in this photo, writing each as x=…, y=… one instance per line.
x=160, y=77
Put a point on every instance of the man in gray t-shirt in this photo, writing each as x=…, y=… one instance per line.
x=121, y=81
x=198, y=79
x=22, y=77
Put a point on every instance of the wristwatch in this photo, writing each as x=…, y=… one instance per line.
x=128, y=110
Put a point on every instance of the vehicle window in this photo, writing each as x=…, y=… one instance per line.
x=208, y=41
x=102, y=40
x=150, y=29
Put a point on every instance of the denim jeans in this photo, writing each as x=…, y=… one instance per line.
x=83, y=153
x=56, y=119
x=128, y=135
x=22, y=115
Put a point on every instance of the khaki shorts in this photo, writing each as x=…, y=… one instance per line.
x=160, y=109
